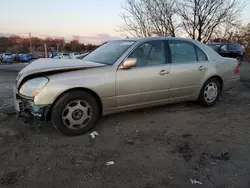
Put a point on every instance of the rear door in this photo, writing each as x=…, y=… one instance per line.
x=187, y=70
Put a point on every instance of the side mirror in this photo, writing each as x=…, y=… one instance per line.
x=128, y=63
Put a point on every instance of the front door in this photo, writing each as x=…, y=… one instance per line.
x=148, y=81
x=188, y=68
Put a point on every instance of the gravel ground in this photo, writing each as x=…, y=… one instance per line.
x=155, y=147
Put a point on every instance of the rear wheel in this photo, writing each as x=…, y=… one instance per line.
x=210, y=92
x=75, y=113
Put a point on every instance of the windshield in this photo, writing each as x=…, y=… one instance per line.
x=109, y=52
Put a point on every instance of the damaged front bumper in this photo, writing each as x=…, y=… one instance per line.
x=26, y=108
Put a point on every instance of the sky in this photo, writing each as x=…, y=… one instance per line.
x=94, y=21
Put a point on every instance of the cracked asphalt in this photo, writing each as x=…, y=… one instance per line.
x=155, y=147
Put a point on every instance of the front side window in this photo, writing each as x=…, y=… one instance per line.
x=182, y=52
x=109, y=52
x=149, y=53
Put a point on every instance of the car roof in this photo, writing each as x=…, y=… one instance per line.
x=153, y=38
x=223, y=43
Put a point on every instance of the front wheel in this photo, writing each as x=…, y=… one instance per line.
x=75, y=113
x=209, y=93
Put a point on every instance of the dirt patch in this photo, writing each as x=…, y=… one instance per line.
x=9, y=179
x=185, y=150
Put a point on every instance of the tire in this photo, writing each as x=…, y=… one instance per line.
x=205, y=94
x=68, y=109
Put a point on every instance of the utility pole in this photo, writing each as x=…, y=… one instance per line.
x=57, y=48
x=45, y=51
x=30, y=43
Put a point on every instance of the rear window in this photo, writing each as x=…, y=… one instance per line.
x=232, y=47
x=215, y=47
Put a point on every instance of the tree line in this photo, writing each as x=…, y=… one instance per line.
x=17, y=44
x=203, y=20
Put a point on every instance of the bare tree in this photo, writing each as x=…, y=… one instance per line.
x=163, y=17
x=226, y=32
x=136, y=22
x=145, y=18
x=200, y=18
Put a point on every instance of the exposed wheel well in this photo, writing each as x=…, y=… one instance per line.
x=94, y=94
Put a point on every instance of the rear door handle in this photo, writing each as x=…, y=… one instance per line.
x=163, y=72
x=201, y=67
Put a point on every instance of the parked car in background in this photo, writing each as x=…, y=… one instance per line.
x=41, y=54
x=25, y=57
x=8, y=58
x=122, y=75
x=17, y=57
x=232, y=50
x=35, y=55
x=62, y=56
x=74, y=55
x=52, y=55
x=1, y=57
x=81, y=56
x=7, y=55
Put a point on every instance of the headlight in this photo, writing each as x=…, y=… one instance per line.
x=32, y=87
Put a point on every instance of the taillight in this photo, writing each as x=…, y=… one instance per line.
x=237, y=69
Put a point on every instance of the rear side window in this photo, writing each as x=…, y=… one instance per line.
x=201, y=55
x=182, y=52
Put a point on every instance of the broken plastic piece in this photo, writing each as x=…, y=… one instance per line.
x=109, y=163
x=193, y=181
x=93, y=134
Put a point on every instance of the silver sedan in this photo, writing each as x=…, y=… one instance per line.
x=122, y=75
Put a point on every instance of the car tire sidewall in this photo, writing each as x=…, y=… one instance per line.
x=202, y=99
x=56, y=113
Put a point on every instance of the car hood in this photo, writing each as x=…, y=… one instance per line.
x=50, y=65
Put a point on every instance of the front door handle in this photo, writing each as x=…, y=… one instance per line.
x=201, y=67
x=163, y=72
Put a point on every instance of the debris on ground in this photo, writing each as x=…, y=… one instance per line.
x=118, y=127
x=194, y=181
x=130, y=142
x=202, y=158
x=93, y=134
x=186, y=135
x=185, y=150
x=223, y=157
x=109, y=163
